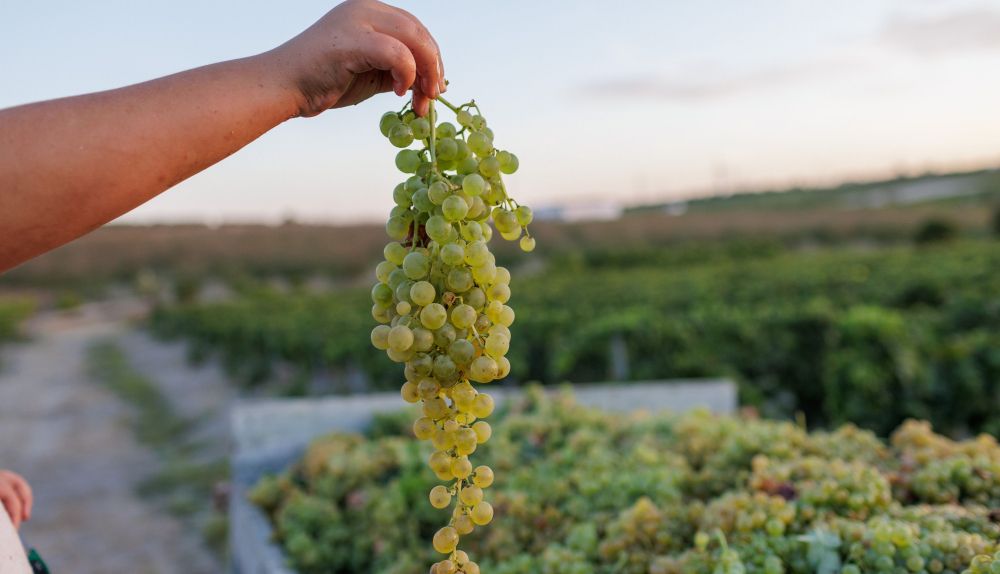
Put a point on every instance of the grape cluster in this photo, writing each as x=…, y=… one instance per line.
x=588, y=492
x=940, y=470
x=441, y=300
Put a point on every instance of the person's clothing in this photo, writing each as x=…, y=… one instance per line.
x=13, y=560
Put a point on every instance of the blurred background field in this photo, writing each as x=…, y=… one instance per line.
x=826, y=306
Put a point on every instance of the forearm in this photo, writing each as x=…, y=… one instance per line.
x=68, y=166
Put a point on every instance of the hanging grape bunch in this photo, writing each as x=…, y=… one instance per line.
x=441, y=300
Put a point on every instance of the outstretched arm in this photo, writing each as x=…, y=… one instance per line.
x=68, y=166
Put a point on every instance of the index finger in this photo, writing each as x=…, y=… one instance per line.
x=437, y=48
x=408, y=30
x=23, y=490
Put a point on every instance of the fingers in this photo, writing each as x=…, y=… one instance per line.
x=12, y=502
x=405, y=28
x=388, y=53
x=23, y=489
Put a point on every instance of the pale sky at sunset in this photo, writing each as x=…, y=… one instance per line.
x=627, y=100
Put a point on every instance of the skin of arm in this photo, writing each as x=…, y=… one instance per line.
x=70, y=165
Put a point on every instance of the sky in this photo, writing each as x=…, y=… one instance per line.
x=622, y=102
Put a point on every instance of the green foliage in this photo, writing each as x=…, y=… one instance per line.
x=839, y=335
x=13, y=311
x=579, y=491
x=935, y=231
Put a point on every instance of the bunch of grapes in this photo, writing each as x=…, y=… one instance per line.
x=441, y=299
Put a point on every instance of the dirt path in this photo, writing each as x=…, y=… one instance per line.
x=68, y=436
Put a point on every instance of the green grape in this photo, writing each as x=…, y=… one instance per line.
x=440, y=497
x=388, y=120
x=463, y=316
x=508, y=163
x=476, y=298
x=473, y=184
x=497, y=347
x=471, y=495
x=444, y=335
x=394, y=252
x=446, y=130
x=462, y=151
x=381, y=314
x=471, y=231
x=461, y=468
x=421, y=128
x=401, y=197
x=482, y=513
x=453, y=254
x=468, y=165
x=505, y=220
x=527, y=244
x=464, y=525
x=477, y=123
x=438, y=192
x=380, y=337
x=498, y=292
x=483, y=477
x=524, y=215
x=397, y=228
x=454, y=208
x=422, y=202
x=437, y=228
x=383, y=269
x=503, y=275
x=382, y=294
x=433, y=316
x=446, y=149
x=476, y=253
x=407, y=161
x=503, y=367
x=461, y=351
x=422, y=293
x=512, y=234
x=423, y=428
x=400, y=338
x=422, y=363
x=489, y=167
x=483, y=370
x=400, y=135
x=483, y=431
x=428, y=388
x=478, y=142
x=444, y=367
x=459, y=280
x=409, y=393
x=416, y=265
x=402, y=291
x=463, y=117
x=446, y=539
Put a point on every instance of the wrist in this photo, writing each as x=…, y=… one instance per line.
x=275, y=75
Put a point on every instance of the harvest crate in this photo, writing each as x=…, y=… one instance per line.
x=270, y=434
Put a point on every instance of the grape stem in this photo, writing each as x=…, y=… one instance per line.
x=447, y=103
x=433, y=119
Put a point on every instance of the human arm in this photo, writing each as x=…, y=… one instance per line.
x=68, y=166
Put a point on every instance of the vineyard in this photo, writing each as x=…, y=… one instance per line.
x=870, y=336
x=580, y=491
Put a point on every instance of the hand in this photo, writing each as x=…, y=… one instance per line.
x=15, y=494
x=359, y=49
